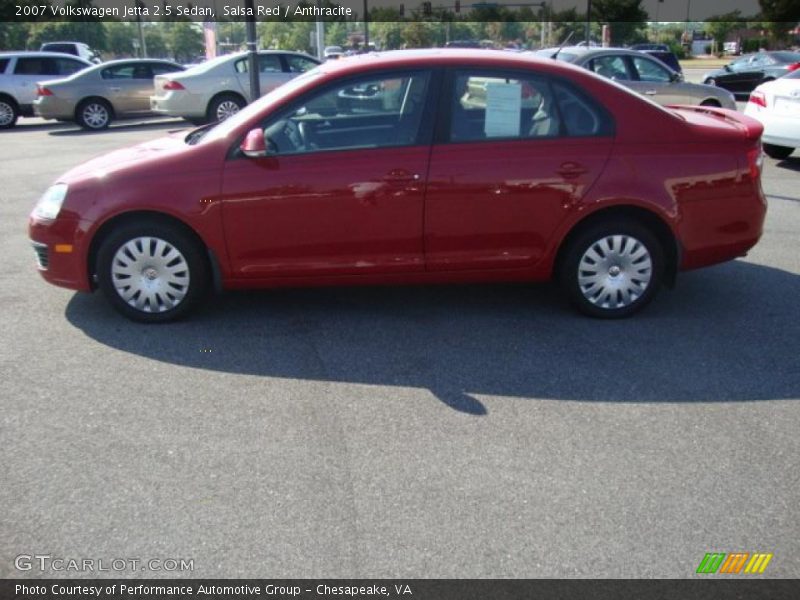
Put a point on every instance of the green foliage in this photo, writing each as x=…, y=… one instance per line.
x=720, y=27
x=626, y=18
x=185, y=40
x=14, y=35
x=120, y=38
x=780, y=16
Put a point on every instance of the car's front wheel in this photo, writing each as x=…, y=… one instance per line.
x=777, y=152
x=8, y=113
x=93, y=114
x=152, y=272
x=612, y=268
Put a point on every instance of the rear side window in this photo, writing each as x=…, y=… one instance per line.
x=581, y=116
x=486, y=106
x=30, y=65
x=161, y=68
x=130, y=71
x=3, y=64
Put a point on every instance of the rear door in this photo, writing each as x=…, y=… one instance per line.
x=654, y=80
x=124, y=85
x=27, y=72
x=517, y=151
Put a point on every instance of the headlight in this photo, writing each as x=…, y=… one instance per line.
x=50, y=203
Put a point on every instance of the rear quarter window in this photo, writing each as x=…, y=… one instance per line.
x=3, y=65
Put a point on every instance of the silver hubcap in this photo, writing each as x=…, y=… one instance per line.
x=150, y=274
x=226, y=109
x=615, y=271
x=6, y=113
x=95, y=115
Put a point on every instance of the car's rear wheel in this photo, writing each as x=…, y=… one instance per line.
x=94, y=114
x=224, y=106
x=8, y=113
x=778, y=152
x=710, y=102
x=152, y=272
x=612, y=268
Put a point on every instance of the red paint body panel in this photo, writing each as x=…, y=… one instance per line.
x=482, y=211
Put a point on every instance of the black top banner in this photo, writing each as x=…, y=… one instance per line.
x=393, y=10
x=412, y=589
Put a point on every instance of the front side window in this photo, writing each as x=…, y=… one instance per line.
x=650, y=71
x=161, y=68
x=612, y=67
x=68, y=67
x=375, y=112
x=299, y=64
x=119, y=72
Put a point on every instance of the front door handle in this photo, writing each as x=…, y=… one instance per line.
x=571, y=170
x=400, y=176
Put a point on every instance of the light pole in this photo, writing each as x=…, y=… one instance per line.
x=588, y=20
x=252, y=52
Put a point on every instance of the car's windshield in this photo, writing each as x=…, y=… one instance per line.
x=222, y=129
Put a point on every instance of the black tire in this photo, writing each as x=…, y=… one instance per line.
x=629, y=271
x=196, y=121
x=711, y=102
x=9, y=113
x=94, y=114
x=218, y=104
x=177, y=286
x=777, y=152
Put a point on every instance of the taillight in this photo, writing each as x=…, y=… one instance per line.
x=758, y=98
x=755, y=160
x=173, y=85
x=43, y=91
x=793, y=67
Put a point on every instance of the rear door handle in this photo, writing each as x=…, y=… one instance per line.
x=571, y=170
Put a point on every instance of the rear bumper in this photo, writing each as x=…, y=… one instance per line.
x=179, y=104
x=59, y=254
x=50, y=107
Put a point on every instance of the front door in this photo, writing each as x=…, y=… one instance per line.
x=342, y=191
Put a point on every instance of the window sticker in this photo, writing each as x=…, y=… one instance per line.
x=503, y=109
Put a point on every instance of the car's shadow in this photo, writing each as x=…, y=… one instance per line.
x=792, y=163
x=729, y=333
x=171, y=124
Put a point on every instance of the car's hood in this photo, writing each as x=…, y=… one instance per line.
x=146, y=153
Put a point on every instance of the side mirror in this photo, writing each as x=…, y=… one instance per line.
x=727, y=68
x=254, y=145
x=675, y=77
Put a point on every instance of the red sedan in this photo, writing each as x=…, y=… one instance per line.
x=414, y=167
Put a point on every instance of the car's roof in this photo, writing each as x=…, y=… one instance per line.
x=41, y=54
x=433, y=56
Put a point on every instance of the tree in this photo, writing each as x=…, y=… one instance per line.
x=720, y=26
x=625, y=17
x=781, y=16
x=185, y=40
x=154, y=38
x=14, y=35
x=120, y=38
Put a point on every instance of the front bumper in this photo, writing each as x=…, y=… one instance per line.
x=59, y=252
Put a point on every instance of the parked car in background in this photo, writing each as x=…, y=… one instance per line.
x=19, y=73
x=78, y=49
x=94, y=97
x=332, y=52
x=220, y=87
x=743, y=75
x=776, y=104
x=667, y=57
x=644, y=75
x=590, y=184
x=648, y=47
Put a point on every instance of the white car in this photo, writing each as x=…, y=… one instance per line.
x=219, y=88
x=777, y=105
x=19, y=74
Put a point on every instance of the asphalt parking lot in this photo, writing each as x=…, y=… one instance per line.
x=467, y=431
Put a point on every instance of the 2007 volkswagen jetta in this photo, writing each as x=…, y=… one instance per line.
x=413, y=167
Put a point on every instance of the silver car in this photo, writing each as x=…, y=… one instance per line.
x=19, y=72
x=214, y=90
x=95, y=96
x=643, y=74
